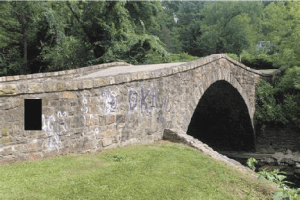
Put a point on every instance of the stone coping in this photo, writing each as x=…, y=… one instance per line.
x=45, y=86
x=81, y=71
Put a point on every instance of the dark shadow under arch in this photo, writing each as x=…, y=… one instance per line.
x=222, y=120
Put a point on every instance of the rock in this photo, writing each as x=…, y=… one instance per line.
x=270, y=150
x=288, y=161
x=278, y=156
x=269, y=161
x=297, y=171
x=288, y=151
x=296, y=153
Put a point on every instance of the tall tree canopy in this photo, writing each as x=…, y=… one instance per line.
x=48, y=36
x=231, y=28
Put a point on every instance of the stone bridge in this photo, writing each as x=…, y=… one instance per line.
x=116, y=104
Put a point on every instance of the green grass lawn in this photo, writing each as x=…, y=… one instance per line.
x=161, y=170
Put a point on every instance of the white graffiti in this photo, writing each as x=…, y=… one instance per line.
x=86, y=109
x=110, y=101
x=87, y=116
x=62, y=120
x=54, y=128
x=96, y=132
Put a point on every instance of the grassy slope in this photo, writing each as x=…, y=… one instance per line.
x=156, y=171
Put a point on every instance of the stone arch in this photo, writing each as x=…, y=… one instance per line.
x=230, y=83
x=221, y=73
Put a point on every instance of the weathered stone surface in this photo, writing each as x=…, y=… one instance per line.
x=33, y=156
x=106, y=142
x=124, y=107
x=68, y=95
x=109, y=133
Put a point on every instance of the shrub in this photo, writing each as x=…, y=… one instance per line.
x=233, y=56
x=290, y=81
x=261, y=61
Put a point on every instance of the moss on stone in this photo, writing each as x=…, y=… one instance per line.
x=4, y=132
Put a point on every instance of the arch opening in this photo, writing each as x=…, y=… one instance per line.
x=221, y=119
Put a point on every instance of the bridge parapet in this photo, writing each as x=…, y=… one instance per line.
x=112, y=104
x=71, y=80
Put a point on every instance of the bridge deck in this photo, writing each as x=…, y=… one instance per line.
x=127, y=69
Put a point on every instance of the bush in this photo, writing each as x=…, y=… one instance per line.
x=267, y=109
x=290, y=82
x=182, y=57
x=274, y=105
x=233, y=56
x=261, y=61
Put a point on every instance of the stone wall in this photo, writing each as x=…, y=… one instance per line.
x=105, y=112
x=278, y=139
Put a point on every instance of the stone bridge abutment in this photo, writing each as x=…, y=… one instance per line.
x=117, y=104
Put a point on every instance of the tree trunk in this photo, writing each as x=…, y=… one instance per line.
x=25, y=39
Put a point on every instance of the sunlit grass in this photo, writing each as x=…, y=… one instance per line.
x=156, y=171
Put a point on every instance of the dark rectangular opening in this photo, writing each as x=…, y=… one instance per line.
x=33, y=114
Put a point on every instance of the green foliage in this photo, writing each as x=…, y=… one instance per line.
x=17, y=34
x=65, y=35
x=281, y=26
x=267, y=109
x=233, y=56
x=231, y=28
x=137, y=49
x=251, y=163
x=290, y=80
x=260, y=61
x=187, y=28
x=182, y=57
x=69, y=53
x=277, y=177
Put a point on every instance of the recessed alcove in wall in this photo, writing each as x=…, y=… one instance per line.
x=222, y=120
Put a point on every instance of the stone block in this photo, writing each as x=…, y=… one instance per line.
x=49, y=86
x=68, y=95
x=6, y=151
x=8, y=89
x=120, y=119
x=33, y=146
x=71, y=85
x=33, y=156
x=100, y=82
x=110, y=119
x=52, y=153
x=5, y=140
x=106, y=142
x=111, y=80
x=109, y=133
x=87, y=84
x=60, y=86
x=35, y=88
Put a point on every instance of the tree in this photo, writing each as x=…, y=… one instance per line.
x=189, y=21
x=281, y=26
x=229, y=27
x=17, y=34
x=119, y=30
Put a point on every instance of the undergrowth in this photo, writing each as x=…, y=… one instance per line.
x=277, y=177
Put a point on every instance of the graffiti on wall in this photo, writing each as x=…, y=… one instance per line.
x=110, y=101
x=54, y=126
x=132, y=99
x=148, y=99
